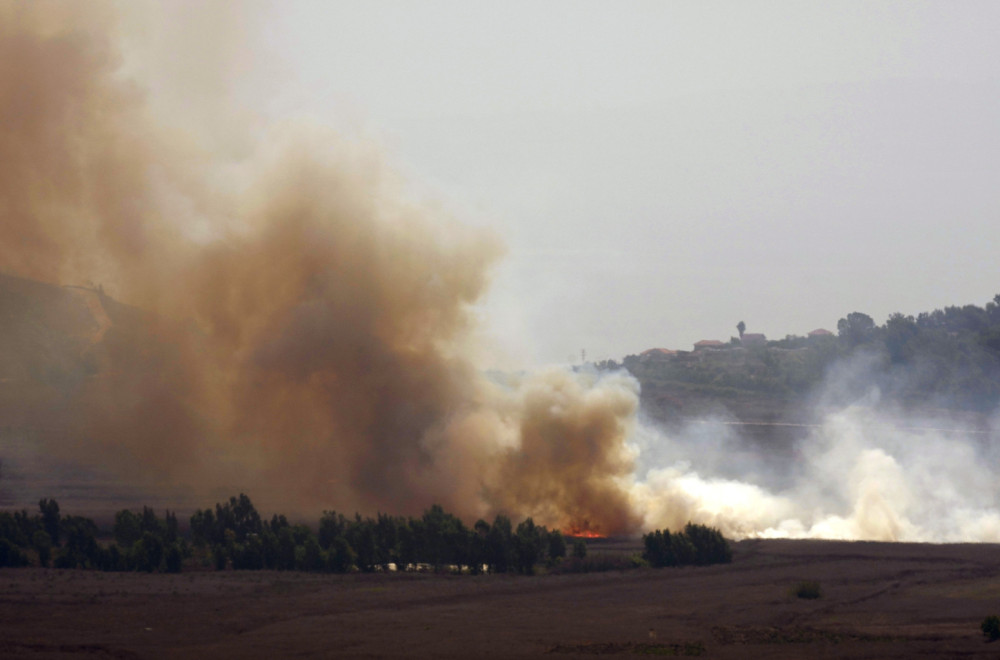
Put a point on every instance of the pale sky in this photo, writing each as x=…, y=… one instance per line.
x=660, y=171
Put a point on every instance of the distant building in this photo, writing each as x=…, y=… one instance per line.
x=708, y=343
x=753, y=339
x=820, y=332
x=656, y=354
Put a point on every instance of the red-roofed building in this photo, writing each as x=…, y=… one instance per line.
x=708, y=343
x=650, y=353
x=820, y=332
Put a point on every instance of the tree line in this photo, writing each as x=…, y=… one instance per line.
x=142, y=541
x=234, y=536
x=697, y=545
x=948, y=357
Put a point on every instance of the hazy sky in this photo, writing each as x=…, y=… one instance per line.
x=660, y=171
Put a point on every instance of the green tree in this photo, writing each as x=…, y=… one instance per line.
x=50, y=518
x=219, y=557
x=114, y=560
x=331, y=526
x=171, y=531
x=42, y=544
x=286, y=549
x=683, y=550
x=204, y=529
x=148, y=522
x=709, y=544
x=658, y=549
x=856, y=328
x=11, y=530
x=240, y=516
x=148, y=552
x=557, y=545
x=445, y=539
x=527, y=546
x=341, y=556
x=127, y=528
x=408, y=544
x=386, y=541
x=10, y=555
x=899, y=333
x=499, y=548
x=312, y=556
x=249, y=555
x=991, y=627
x=361, y=536
x=174, y=558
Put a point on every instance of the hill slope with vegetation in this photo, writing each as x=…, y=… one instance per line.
x=948, y=358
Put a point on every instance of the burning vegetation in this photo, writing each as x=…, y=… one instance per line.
x=274, y=313
x=235, y=536
x=583, y=532
x=293, y=322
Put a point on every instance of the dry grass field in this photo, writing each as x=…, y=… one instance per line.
x=877, y=601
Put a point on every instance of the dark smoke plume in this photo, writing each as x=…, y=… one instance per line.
x=298, y=329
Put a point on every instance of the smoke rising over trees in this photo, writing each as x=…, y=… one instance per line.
x=292, y=320
x=235, y=536
x=948, y=358
x=285, y=316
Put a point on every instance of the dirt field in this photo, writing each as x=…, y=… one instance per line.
x=878, y=601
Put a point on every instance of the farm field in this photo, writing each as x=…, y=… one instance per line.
x=878, y=600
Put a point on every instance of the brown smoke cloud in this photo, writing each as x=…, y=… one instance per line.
x=304, y=329
x=571, y=459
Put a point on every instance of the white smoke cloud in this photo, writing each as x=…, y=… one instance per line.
x=863, y=473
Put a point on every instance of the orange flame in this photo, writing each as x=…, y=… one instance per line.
x=587, y=534
x=583, y=532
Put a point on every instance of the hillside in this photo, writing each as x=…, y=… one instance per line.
x=62, y=350
x=95, y=392
x=944, y=362
x=878, y=600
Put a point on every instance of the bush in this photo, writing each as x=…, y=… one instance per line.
x=991, y=627
x=710, y=547
x=808, y=590
x=557, y=545
x=42, y=543
x=313, y=558
x=112, y=559
x=10, y=555
x=127, y=529
x=219, y=558
x=81, y=548
x=659, y=549
x=341, y=557
x=234, y=536
x=697, y=544
x=174, y=558
x=50, y=518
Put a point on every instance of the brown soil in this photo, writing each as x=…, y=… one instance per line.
x=878, y=601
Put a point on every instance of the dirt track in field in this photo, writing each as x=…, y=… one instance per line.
x=879, y=600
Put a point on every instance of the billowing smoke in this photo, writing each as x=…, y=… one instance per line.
x=297, y=328
x=572, y=461
x=294, y=326
x=864, y=470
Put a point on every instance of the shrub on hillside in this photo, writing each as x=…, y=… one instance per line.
x=991, y=627
x=808, y=590
x=697, y=544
